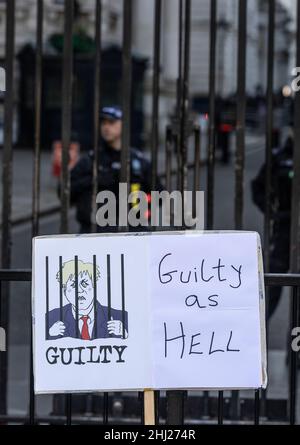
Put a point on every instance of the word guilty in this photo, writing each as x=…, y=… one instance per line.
x=202, y=272
x=83, y=355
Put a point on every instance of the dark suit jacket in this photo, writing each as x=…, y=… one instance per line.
x=100, y=322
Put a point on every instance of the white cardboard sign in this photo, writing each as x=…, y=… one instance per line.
x=163, y=311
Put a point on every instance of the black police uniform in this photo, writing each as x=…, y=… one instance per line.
x=108, y=179
x=281, y=202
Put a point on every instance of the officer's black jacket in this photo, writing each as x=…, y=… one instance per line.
x=81, y=178
x=281, y=187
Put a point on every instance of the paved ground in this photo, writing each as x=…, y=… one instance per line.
x=22, y=183
x=20, y=309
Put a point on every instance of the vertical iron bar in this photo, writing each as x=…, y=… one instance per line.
x=8, y=134
x=31, y=376
x=66, y=111
x=0, y=298
x=295, y=220
x=175, y=408
x=155, y=92
x=235, y=405
x=3, y=369
x=240, y=141
x=185, y=95
x=256, y=407
x=97, y=83
x=47, y=295
x=141, y=399
x=155, y=113
x=123, y=294
x=105, y=408
x=36, y=175
x=126, y=90
x=95, y=293
x=178, y=156
x=60, y=289
x=269, y=128
x=205, y=405
x=7, y=185
x=69, y=409
x=293, y=361
x=157, y=406
x=38, y=109
x=241, y=115
x=220, y=407
x=66, y=135
x=108, y=287
x=175, y=399
x=68, y=397
x=212, y=114
x=105, y=395
x=268, y=157
x=180, y=41
x=196, y=163
x=177, y=139
x=76, y=297
x=295, y=223
x=168, y=157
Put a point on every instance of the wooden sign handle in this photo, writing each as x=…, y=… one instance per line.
x=149, y=407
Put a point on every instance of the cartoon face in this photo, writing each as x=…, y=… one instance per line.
x=85, y=290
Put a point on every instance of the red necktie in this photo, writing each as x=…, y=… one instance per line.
x=85, y=330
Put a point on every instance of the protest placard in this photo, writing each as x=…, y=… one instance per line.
x=177, y=310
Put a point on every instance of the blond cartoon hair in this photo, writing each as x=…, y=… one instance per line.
x=68, y=269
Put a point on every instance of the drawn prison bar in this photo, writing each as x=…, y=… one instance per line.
x=107, y=322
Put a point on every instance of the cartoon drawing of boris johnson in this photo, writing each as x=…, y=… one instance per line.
x=84, y=316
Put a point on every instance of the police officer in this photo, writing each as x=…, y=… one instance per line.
x=281, y=193
x=109, y=168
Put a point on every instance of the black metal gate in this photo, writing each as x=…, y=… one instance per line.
x=172, y=407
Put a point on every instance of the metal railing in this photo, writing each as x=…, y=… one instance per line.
x=177, y=417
